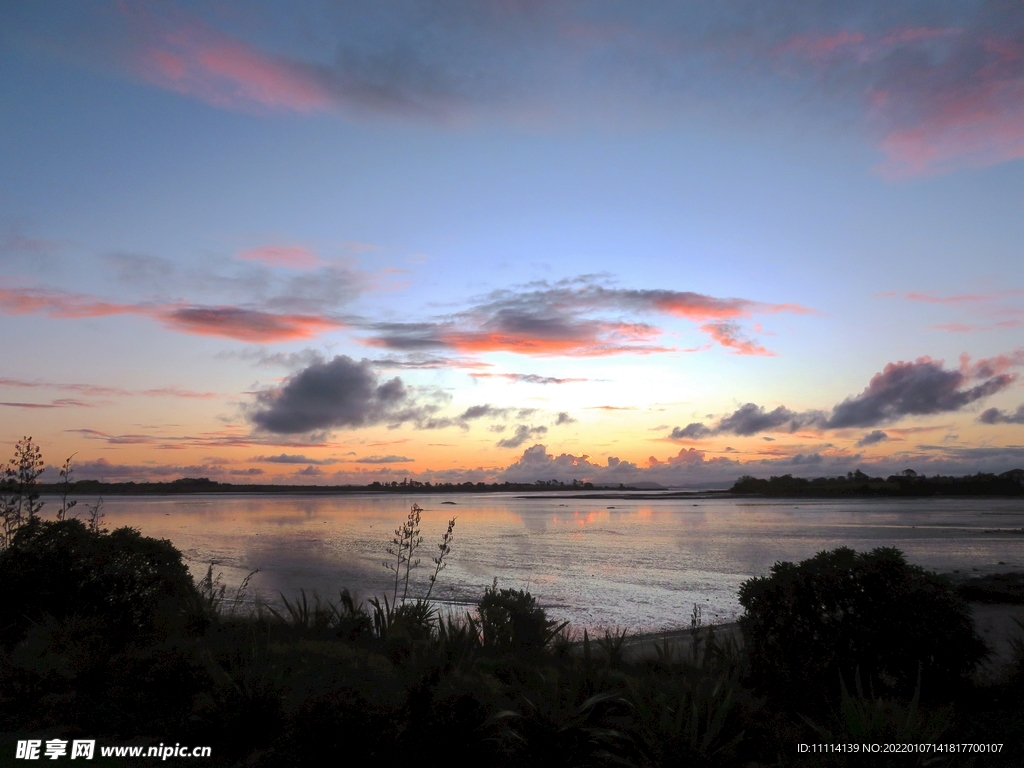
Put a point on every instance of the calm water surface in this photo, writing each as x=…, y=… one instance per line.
x=637, y=564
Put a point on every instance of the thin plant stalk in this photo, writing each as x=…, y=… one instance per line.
x=439, y=562
x=65, y=487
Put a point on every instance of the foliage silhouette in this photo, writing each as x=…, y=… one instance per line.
x=511, y=621
x=843, y=611
x=19, y=496
x=138, y=585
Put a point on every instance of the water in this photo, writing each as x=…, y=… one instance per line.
x=636, y=564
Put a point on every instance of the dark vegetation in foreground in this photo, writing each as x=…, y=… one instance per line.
x=907, y=483
x=106, y=635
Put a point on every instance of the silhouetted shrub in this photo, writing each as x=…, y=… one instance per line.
x=843, y=611
x=511, y=620
x=137, y=587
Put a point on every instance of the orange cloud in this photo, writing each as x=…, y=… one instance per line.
x=26, y=301
x=559, y=319
x=245, y=324
x=600, y=340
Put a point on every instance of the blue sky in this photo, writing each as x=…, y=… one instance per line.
x=523, y=240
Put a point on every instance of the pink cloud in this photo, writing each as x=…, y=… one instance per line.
x=991, y=366
x=730, y=335
x=962, y=298
x=181, y=53
x=914, y=34
x=291, y=256
x=981, y=124
x=817, y=46
x=226, y=321
x=697, y=306
x=938, y=97
x=96, y=390
x=967, y=110
x=964, y=328
x=187, y=394
x=26, y=301
x=854, y=43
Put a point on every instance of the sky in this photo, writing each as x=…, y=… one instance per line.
x=464, y=240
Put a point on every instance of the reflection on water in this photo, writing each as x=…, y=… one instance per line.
x=640, y=564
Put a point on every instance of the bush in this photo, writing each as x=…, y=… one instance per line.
x=842, y=611
x=136, y=587
x=511, y=620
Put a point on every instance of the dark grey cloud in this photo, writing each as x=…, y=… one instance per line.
x=255, y=287
x=488, y=411
x=335, y=394
x=62, y=403
x=920, y=388
x=996, y=416
x=440, y=422
x=526, y=378
x=141, y=270
x=484, y=411
x=692, y=431
x=872, y=438
x=750, y=419
x=522, y=434
x=417, y=362
x=289, y=360
x=564, y=418
x=388, y=459
x=292, y=458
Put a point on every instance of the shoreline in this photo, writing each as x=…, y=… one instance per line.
x=996, y=623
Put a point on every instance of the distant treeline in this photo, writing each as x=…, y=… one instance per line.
x=205, y=485
x=907, y=483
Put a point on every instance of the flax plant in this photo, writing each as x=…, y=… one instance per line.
x=65, y=487
x=444, y=548
x=402, y=547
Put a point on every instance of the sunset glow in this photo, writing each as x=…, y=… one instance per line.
x=315, y=244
